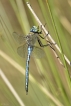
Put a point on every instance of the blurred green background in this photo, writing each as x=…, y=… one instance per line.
x=49, y=83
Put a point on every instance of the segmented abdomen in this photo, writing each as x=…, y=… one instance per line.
x=27, y=66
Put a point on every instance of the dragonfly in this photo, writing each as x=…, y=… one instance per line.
x=29, y=45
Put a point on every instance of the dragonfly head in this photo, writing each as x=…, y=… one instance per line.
x=34, y=29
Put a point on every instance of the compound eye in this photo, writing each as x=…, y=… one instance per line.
x=33, y=26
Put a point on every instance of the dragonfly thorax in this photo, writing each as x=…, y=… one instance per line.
x=31, y=38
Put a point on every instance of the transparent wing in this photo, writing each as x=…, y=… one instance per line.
x=38, y=52
x=19, y=38
x=21, y=50
x=34, y=37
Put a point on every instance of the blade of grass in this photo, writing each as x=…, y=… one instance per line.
x=54, y=23
x=62, y=54
x=21, y=14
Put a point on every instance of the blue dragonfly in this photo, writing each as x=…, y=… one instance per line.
x=29, y=48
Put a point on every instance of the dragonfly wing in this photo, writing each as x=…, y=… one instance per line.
x=19, y=38
x=34, y=38
x=21, y=50
x=38, y=52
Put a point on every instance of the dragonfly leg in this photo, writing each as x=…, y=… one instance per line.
x=40, y=43
x=47, y=40
x=40, y=32
x=51, y=43
x=43, y=25
x=45, y=35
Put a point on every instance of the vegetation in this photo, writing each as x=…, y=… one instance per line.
x=49, y=83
